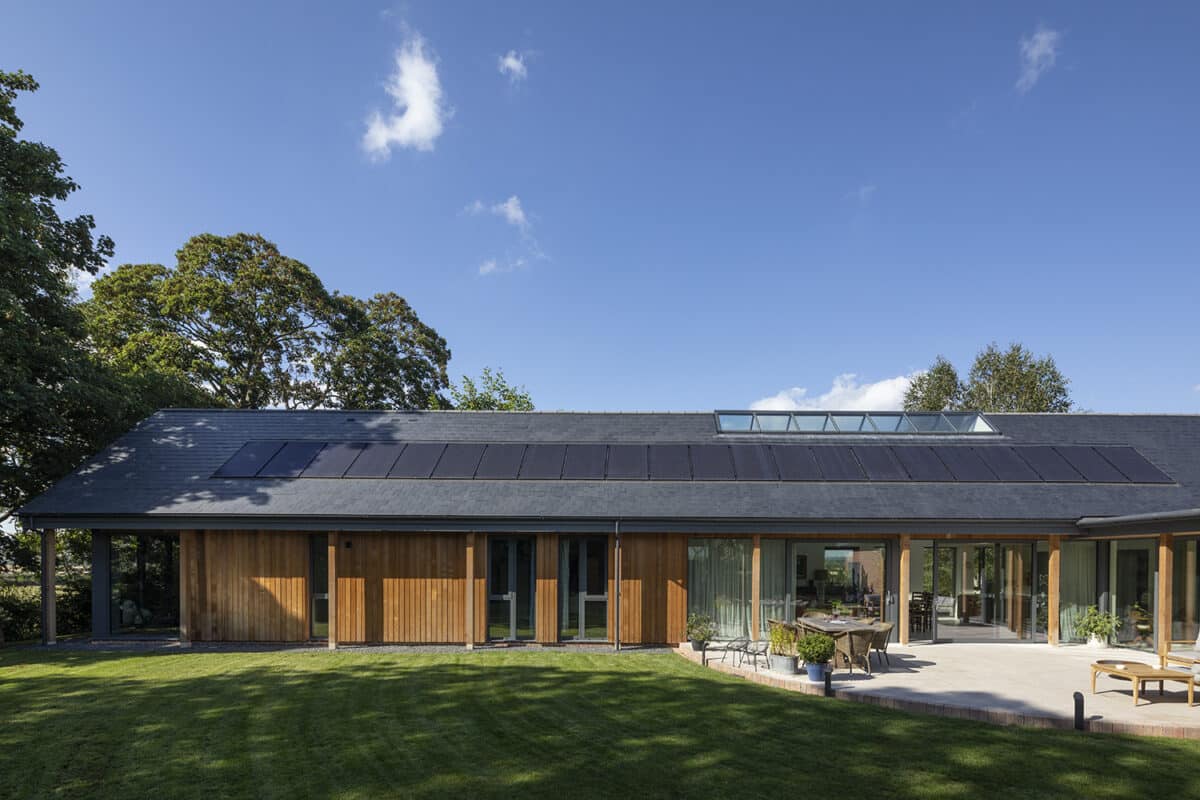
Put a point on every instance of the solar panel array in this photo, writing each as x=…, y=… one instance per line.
x=697, y=462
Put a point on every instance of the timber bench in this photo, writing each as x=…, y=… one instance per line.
x=1138, y=673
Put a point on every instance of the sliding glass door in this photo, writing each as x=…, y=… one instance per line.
x=719, y=583
x=583, y=588
x=511, y=588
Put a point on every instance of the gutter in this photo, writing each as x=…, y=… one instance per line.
x=1184, y=520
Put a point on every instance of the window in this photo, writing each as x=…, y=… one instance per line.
x=884, y=422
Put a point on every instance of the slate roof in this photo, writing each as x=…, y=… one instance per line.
x=159, y=475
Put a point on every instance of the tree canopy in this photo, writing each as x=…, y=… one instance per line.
x=254, y=328
x=57, y=403
x=490, y=393
x=999, y=380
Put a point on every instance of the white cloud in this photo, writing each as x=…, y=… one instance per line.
x=418, y=112
x=512, y=64
x=83, y=281
x=1039, y=51
x=846, y=393
x=863, y=194
x=494, y=267
x=1196, y=388
x=510, y=210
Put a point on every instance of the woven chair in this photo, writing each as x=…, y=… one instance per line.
x=860, y=649
x=883, y=634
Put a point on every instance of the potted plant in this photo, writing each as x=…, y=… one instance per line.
x=782, y=652
x=1097, y=626
x=835, y=608
x=815, y=649
x=701, y=628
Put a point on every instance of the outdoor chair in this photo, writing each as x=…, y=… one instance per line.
x=860, y=649
x=737, y=647
x=1187, y=659
x=754, y=651
x=879, y=642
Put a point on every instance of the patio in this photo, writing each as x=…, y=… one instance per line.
x=1006, y=684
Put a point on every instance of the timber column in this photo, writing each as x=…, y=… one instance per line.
x=1166, y=575
x=49, y=597
x=905, y=588
x=1052, y=585
x=332, y=590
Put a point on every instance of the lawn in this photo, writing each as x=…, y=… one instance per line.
x=361, y=724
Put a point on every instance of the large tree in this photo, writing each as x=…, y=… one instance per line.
x=1000, y=380
x=255, y=328
x=490, y=393
x=57, y=404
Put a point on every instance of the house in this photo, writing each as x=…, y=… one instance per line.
x=476, y=527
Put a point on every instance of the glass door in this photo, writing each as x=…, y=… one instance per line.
x=511, y=587
x=583, y=587
x=983, y=591
x=318, y=587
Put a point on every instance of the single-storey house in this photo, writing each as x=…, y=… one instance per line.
x=479, y=527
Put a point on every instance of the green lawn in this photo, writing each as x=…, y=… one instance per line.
x=530, y=723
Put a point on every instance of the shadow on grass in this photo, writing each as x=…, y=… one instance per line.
x=301, y=724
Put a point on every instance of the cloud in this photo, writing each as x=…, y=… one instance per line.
x=512, y=64
x=495, y=267
x=846, y=393
x=863, y=194
x=510, y=210
x=418, y=111
x=1039, y=51
x=83, y=280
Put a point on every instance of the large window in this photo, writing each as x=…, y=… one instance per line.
x=144, y=584
x=1185, y=588
x=583, y=587
x=1133, y=568
x=719, y=583
x=798, y=576
x=1077, y=587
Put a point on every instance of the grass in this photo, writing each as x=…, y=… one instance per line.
x=358, y=724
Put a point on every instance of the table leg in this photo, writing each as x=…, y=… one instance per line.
x=1094, y=681
x=1191, y=691
x=1137, y=685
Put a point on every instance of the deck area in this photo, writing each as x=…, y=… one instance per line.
x=1007, y=684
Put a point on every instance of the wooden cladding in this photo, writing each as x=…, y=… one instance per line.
x=653, y=588
x=244, y=586
x=401, y=587
x=405, y=587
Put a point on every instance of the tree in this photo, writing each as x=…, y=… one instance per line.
x=937, y=389
x=255, y=328
x=1000, y=380
x=45, y=405
x=1014, y=380
x=491, y=393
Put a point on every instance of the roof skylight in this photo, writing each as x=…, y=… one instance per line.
x=885, y=422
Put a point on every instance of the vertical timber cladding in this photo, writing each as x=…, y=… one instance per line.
x=653, y=588
x=245, y=586
x=401, y=588
x=546, y=594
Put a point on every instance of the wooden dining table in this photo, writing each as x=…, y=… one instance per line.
x=836, y=627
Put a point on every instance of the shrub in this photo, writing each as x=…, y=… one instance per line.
x=815, y=648
x=1098, y=624
x=783, y=641
x=701, y=628
x=20, y=612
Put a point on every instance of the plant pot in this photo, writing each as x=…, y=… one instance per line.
x=1096, y=642
x=816, y=672
x=784, y=664
x=697, y=645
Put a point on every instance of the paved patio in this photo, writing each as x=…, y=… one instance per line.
x=1008, y=684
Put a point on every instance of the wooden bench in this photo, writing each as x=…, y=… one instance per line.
x=1138, y=673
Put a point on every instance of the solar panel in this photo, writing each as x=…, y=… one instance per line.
x=248, y=460
x=837, y=463
x=460, y=460
x=417, y=460
x=752, y=462
x=669, y=462
x=921, y=464
x=1091, y=465
x=1049, y=464
x=1135, y=466
x=1007, y=465
x=627, y=461
x=585, y=462
x=545, y=462
x=501, y=462
x=964, y=464
x=796, y=463
x=333, y=460
x=880, y=464
x=375, y=461
x=291, y=460
x=711, y=462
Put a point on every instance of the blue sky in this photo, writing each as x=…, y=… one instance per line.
x=687, y=206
